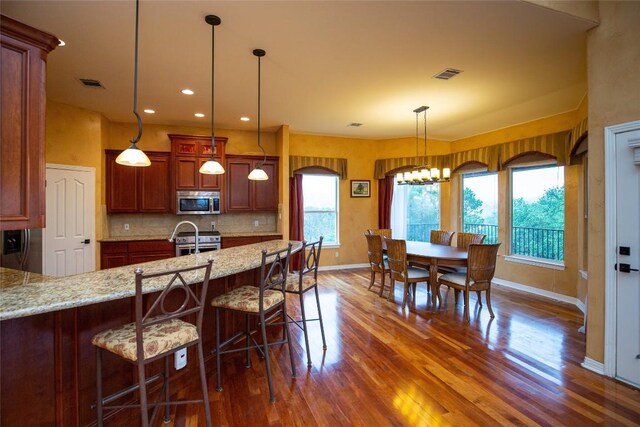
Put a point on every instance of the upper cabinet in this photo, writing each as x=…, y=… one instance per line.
x=138, y=189
x=22, y=91
x=242, y=194
x=188, y=153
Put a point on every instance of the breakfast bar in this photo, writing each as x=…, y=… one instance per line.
x=47, y=360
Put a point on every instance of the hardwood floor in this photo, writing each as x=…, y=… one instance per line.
x=385, y=366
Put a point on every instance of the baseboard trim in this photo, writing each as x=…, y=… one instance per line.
x=593, y=365
x=342, y=267
x=536, y=291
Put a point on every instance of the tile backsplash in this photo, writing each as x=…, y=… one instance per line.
x=159, y=224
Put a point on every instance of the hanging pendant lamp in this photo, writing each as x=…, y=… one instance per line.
x=212, y=166
x=133, y=156
x=258, y=174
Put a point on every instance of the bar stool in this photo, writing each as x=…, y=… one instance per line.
x=157, y=333
x=267, y=302
x=306, y=279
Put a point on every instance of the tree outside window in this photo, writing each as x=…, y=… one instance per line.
x=415, y=211
x=320, y=193
x=480, y=205
x=537, y=212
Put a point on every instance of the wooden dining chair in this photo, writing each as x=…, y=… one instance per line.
x=441, y=237
x=463, y=240
x=480, y=270
x=384, y=232
x=377, y=261
x=401, y=271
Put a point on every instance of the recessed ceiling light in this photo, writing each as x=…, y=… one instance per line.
x=199, y=115
x=149, y=111
x=244, y=119
x=61, y=43
x=187, y=91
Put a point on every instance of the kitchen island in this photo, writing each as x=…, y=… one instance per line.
x=47, y=366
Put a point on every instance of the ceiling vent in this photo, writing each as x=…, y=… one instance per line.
x=447, y=73
x=354, y=124
x=91, y=83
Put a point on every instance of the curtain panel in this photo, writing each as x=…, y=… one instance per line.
x=385, y=196
x=296, y=216
x=339, y=166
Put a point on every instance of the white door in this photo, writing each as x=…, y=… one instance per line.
x=69, y=237
x=628, y=241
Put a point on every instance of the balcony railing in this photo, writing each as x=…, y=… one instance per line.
x=420, y=232
x=538, y=242
x=489, y=230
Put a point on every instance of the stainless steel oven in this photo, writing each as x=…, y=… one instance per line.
x=207, y=241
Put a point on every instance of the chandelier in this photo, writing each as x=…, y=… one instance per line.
x=423, y=174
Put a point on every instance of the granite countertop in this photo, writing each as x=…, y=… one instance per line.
x=26, y=294
x=223, y=234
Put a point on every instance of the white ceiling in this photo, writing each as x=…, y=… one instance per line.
x=328, y=63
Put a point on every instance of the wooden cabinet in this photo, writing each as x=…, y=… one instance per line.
x=118, y=254
x=138, y=189
x=188, y=153
x=230, y=242
x=22, y=117
x=244, y=195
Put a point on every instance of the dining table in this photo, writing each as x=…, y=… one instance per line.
x=435, y=255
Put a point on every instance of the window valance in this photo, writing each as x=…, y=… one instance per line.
x=495, y=157
x=578, y=144
x=339, y=166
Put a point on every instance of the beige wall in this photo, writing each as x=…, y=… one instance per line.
x=613, y=58
x=75, y=136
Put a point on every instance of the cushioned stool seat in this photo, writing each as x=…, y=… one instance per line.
x=247, y=299
x=157, y=339
x=293, y=282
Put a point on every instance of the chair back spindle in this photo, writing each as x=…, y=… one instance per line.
x=441, y=237
x=466, y=239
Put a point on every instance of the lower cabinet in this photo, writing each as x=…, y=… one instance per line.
x=230, y=242
x=118, y=254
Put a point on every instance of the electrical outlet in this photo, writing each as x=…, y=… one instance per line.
x=213, y=225
x=256, y=223
x=126, y=226
x=337, y=254
x=180, y=359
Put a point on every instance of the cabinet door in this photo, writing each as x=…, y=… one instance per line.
x=187, y=173
x=210, y=182
x=231, y=242
x=238, y=185
x=139, y=258
x=22, y=86
x=122, y=187
x=265, y=194
x=113, y=260
x=155, y=185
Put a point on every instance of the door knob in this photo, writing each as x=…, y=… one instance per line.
x=86, y=241
x=625, y=268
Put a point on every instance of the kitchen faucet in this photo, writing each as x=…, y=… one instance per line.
x=195, y=227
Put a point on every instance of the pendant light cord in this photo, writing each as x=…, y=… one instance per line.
x=213, y=39
x=259, y=98
x=417, y=140
x=425, y=136
x=135, y=81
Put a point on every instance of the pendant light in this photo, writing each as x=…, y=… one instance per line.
x=423, y=174
x=212, y=166
x=258, y=174
x=133, y=156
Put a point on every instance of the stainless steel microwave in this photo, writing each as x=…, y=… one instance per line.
x=197, y=202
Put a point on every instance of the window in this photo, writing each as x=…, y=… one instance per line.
x=415, y=211
x=320, y=193
x=537, y=212
x=480, y=205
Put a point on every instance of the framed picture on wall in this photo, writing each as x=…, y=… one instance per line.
x=360, y=188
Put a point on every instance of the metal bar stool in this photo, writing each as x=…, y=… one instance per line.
x=306, y=279
x=267, y=302
x=157, y=333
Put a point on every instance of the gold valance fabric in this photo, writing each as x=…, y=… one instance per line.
x=578, y=135
x=496, y=157
x=554, y=144
x=339, y=166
